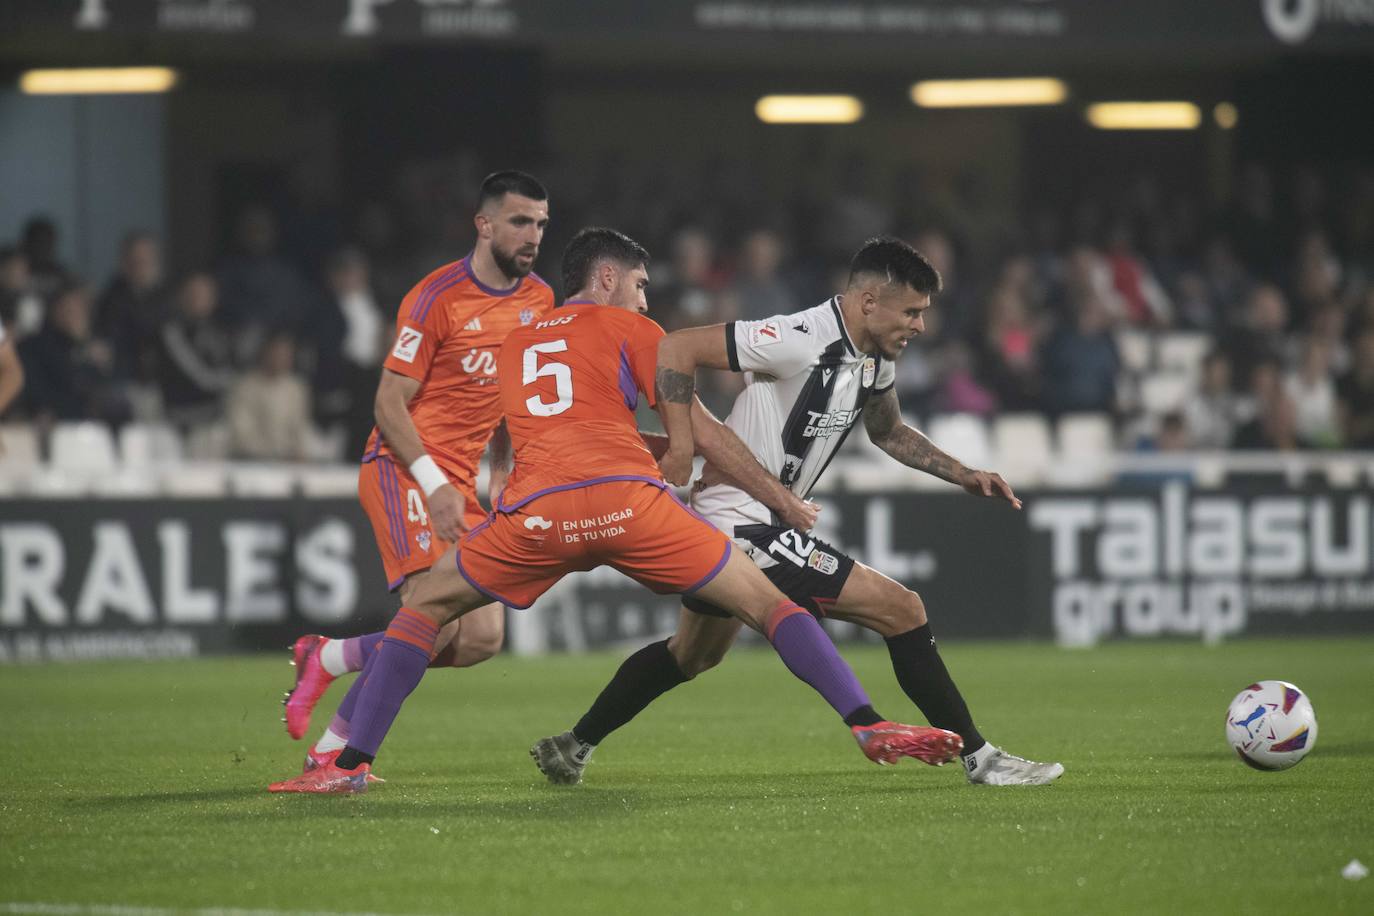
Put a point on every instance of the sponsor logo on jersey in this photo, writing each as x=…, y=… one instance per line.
x=473, y=325
x=823, y=563
x=870, y=371
x=479, y=361
x=526, y=316
x=765, y=333
x=538, y=521
x=424, y=538
x=830, y=423
x=407, y=344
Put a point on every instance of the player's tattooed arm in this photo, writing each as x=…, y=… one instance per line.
x=730, y=460
x=674, y=391
x=883, y=420
x=673, y=386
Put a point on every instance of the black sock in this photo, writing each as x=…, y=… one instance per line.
x=924, y=677
x=349, y=759
x=864, y=715
x=642, y=678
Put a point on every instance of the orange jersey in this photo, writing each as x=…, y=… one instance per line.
x=448, y=331
x=570, y=386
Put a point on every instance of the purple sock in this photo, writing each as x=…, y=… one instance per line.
x=395, y=670
x=344, y=714
x=358, y=649
x=808, y=653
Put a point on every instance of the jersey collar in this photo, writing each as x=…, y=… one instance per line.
x=489, y=290
x=844, y=332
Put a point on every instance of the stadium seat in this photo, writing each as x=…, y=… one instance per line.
x=262, y=480
x=963, y=435
x=1182, y=351
x=1084, y=456
x=195, y=481
x=19, y=452
x=127, y=483
x=1162, y=392
x=208, y=442
x=82, y=448
x=1021, y=443
x=333, y=481
x=144, y=445
x=1136, y=348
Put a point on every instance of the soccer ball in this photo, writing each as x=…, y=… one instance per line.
x=1271, y=725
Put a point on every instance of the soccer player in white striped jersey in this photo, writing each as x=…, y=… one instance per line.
x=810, y=377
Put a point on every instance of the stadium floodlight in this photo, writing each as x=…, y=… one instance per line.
x=989, y=93
x=1144, y=115
x=809, y=109
x=97, y=81
x=1226, y=115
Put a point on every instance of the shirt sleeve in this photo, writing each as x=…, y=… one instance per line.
x=641, y=351
x=777, y=346
x=421, y=326
x=887, y=376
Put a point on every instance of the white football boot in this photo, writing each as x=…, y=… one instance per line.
x=562, y=758
x=992, y=766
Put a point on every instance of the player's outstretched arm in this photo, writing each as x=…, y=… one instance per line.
x=394, y=422
x=732, y=458
x=885, y=426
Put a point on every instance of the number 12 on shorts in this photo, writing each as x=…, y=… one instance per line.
x=562, y=378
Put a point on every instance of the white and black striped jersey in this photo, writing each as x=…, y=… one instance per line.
x=805, y=388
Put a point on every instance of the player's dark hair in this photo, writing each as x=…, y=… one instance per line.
x=593, y=245
x=898, y=261
x=498, y=184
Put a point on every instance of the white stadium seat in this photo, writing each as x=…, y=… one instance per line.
x=262, y=480
x=19, y=451
x=1162, y=392
x=334, y=481
x=1084, y=456
x=963, y=435
x=145, y=445
x=208, y=442
x=82, y=448
x=1182, y=351
x=196, y=481
x=1023, y=449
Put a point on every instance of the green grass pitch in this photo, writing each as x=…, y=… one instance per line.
x=144, y=785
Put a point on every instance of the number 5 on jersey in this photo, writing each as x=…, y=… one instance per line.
x=562, y=378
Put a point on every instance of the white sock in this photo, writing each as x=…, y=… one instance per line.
x=332, y=657
x=330, y=741
x=981, y=755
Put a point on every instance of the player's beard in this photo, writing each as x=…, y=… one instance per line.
x=508, y=265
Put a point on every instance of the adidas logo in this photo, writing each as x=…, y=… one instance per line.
x=473, y=325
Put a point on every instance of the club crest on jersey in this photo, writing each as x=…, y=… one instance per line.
x=407, y=345
x=526, y=316
x=823, y=563
x=424, y=539
x=870, y=370
x=765, y=333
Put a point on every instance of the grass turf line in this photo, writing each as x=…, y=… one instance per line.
x=144, y=785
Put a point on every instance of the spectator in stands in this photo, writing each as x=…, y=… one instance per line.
x=1356, y=392
x=269, y=407
x=195, y=364
x=1173, y=433
x=1313, y=393
x=1007, y=354
x=758, y=290
x=1081, y=361
x=1263, y=335
x=21, y=308
x=1273, y=425
x=691, y=295
x=1214, y=410
x=132, y=309
x=349, y=334
x=960, y=390
x=39, y=245
x=1143, y=301
x=260, y=292
x=1327, y=325
x=70, y=371
x=1316, y=276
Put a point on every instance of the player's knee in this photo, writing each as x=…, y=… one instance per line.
x=476, y=644
x=905, y=612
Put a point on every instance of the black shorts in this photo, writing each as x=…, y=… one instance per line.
x=805, y=569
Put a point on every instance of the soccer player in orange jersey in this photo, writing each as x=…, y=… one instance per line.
x=437, y=409
x=587, y=492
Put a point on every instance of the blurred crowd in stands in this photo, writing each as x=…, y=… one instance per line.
x=1061, y=310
